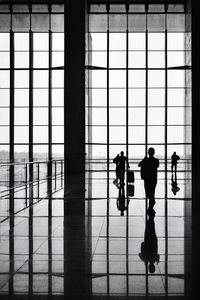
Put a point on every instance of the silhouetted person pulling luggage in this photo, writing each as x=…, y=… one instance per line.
x=149, y=167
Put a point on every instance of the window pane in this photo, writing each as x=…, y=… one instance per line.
x=137, y=97
x=156, y=116
x=156, y=22
x=117, y=116
x=40, y=79
x=98, y=41
x=4, y=97
x=137, y=23
x=57, y=97
x=5, y=79
x=41, y=59
x=99, y=59
x=137, y=41
x=98, y=23
x=5, y=41
x=4, y=59
x=156, y=78
x=156, y=97
x=175, y=115
x=57, y=78
x=40, y=134
x=58, y=59
x=175, y=41
x=176, y=78
x=41, y=41
x=98, y=97
x=136, y=134
x=40, y=97
x=156, y=59
x=57, y=116
x=156, y=134
x=137, y=78
x=20, y=22
x=99, y=116
x=117, y=79
x=117, y=60
x=117, y=134
x=117, y=97
x=98, y=79
x=156, y=41
x=99, y=134
x=40, y=116
x=58, y=42
x=21, y=134
x=21, y=116
x=137, y=60
x=40, y=22
x=117, y=41
x=21, y=60
x=57, y=23
x=117, y=23
x=175, y=59
x=21, y=41
x=176, y=97
x=57, y=134
x=21, y=79
x=4, y=133
x=175, y=134
x=21, y=97
x=136, y=116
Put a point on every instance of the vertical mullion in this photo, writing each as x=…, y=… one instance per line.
x=50, y=99
x=11, y=156
x=50, y=161
x=146, y=94
x=127, y=154
x=30, y=158
x=166, y=194
x=108, y=152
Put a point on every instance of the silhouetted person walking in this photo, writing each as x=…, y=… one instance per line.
x=149, y=248
x=174, y=162
x=123, y=160
x=149, y=167
x=117, y=172
x=121, y=201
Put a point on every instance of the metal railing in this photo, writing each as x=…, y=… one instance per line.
x=27, y=183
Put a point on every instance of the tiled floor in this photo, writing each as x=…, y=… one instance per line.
x=98, y=255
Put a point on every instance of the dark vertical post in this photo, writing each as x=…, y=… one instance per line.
x=49, y=171
x=195, y=147
x=30, y=158
x=31, y=115
x=12, y=170
x=166, y=171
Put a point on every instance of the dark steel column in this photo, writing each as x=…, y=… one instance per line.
x=74, y=107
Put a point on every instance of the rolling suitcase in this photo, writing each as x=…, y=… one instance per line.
x=130, y=190
x=130, y=176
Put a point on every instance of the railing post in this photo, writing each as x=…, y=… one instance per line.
x=61, y=173
x=55, y=174
x=38, y=175
x=26, y=182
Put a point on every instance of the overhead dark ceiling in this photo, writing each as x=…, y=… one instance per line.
x=95, y=1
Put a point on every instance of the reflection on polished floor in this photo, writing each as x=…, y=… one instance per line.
x=100, y=254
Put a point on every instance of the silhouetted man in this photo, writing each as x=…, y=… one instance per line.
x=122, y=163
x=149, y=248
x=149, y=167
x=117, y=172
x=174, y=162
x=121, y=201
